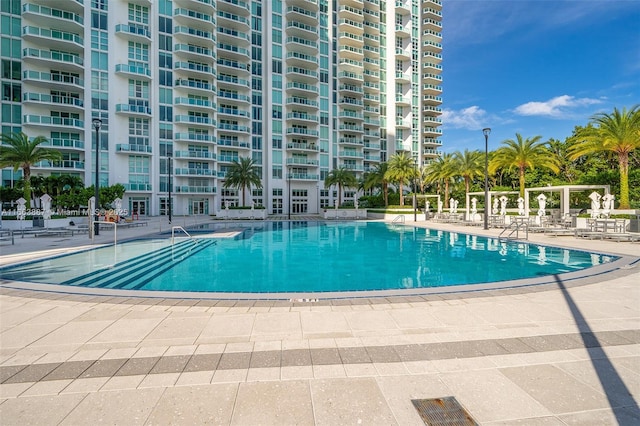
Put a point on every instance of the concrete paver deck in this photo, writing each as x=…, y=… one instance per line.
x=567, y=353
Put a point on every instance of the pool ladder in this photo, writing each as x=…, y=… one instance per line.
x=399, y=218
x=173, y=231
x=515, y=227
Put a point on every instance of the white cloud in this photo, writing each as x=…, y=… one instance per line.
x=471, y=118
x=558, y=107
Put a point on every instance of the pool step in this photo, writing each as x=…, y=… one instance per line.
x=142, y=277
x=122, y=271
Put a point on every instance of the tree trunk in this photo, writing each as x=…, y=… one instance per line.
x=26, y=175
x=623, y=159
x=401, y=195
x=385, y=189
x=521, y=178
x=446, y=194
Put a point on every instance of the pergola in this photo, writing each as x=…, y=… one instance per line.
x=564, y=191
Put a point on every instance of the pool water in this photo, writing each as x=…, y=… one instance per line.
x=277, y=257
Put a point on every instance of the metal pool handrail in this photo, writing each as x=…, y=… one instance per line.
x=173, y=229
x=399, y=218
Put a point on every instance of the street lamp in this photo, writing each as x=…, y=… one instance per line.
x=170, y=173
x=486, y=131
x=415, y=189
x=97, y=123
x=289, y=193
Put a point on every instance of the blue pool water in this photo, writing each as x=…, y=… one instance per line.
x=275, y=257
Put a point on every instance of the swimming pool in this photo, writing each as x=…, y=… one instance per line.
x=305, y=257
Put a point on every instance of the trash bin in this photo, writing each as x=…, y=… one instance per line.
x=38, y=222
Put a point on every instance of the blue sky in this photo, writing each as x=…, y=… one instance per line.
x=535, y=67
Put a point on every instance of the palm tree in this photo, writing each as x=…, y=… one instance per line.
x=242, y=175
x=401, y=170
x=18, y=152
x=618, y=133
x=523, y=154
x=442, y=171
x=469, y=165
x=376, y=178
x=343, y=178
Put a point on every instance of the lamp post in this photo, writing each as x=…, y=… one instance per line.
x=97, y=123
x=170, y=175
x=289, y=193
x=486, y=131
x=415, y=189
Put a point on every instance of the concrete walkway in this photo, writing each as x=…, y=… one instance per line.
x=561, y=354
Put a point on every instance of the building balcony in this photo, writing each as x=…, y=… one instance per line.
x=302, y=74
x=64, y=164
x=303, y=89
x=204, y=6
x=351, y=141
x=432, y=141
x=194, y=119
x=431, y=67
x=52, y=18
x=432, y=57
x=194, y=19
x=432, y=120
x=133, y=149
x=431, y=131
x=432, y=100
x=227, y=19
x=199, y=104
x=403, y=124
x=138, y=187
x=403, y=54
x=431, y=110
x=351, y=154
x=302, y=176
x=300, y=29
x=194, y=172
x=302, y=147
x=352, y=167
x=224, y=127
x=233, y=66
x=185, y=189
x=432, y=46
x=226, y=80
x=403, y=100
x=128, y=109
x=233, y=36
x=302, y=162
x=302, y=102
x=431, y=89
x=371, y=98
x=351, y=128
x=56, y=60
x=201, y=155
x=302, y=59
x=372, y=158
x=234, y=143
x=194, y=53
x=351, y=102
x=48, y=80
x=430, y=78
x=403, y=77
x=134, y=32
x=303, y=132
x=235, y=98
x=303, y=117
x=431, y=151
x=301, y=44
x=47, y=121
x=194, y=137
x=351, y=26
x=403, y=30
x=299, y=14
x=351, y=115
x=195, y=69
x=436, y=4
x=62, y=103
x=192, y=85
x=236, y=6
x=371, y=146
x=133, y=71
x=371, y=122
x=351, y=88
x=431, y=24
x=53, y=39
x=234, y=112
x=66, y=144
x=430, y=36
x=234, y=52
x=348, y=76
x=194, y=35
x=403, y=7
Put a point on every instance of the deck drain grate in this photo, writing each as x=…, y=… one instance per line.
x=445, y=411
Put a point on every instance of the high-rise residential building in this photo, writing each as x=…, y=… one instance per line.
x=186, y=87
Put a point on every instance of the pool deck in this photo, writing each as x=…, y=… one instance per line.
x=556, y=354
